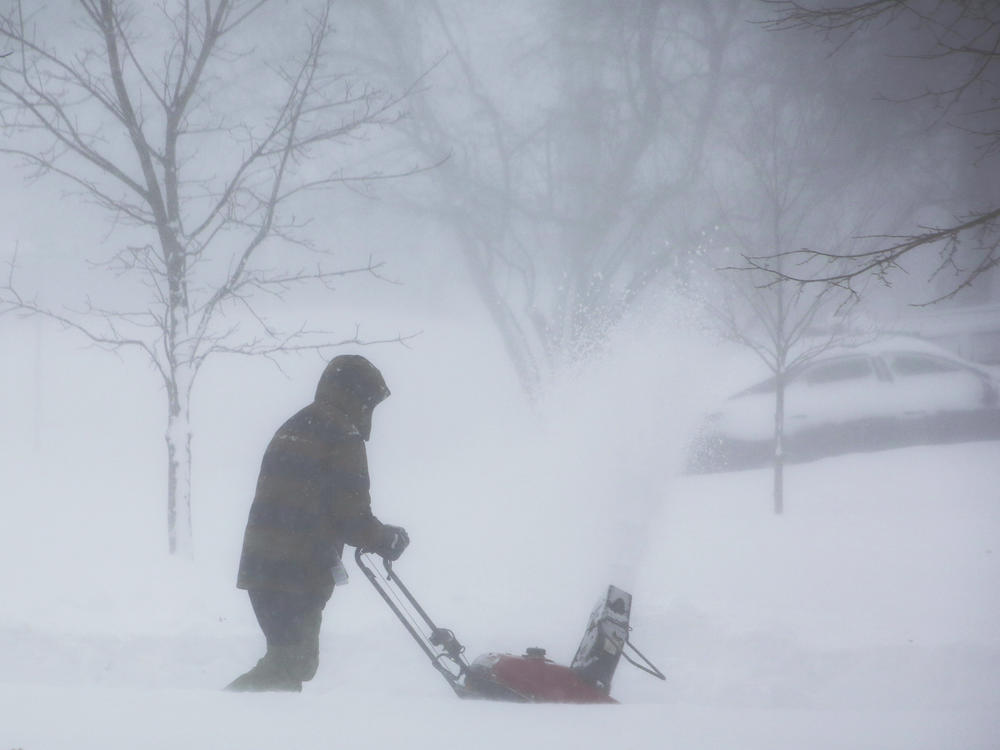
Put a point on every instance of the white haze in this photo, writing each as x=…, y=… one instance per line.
x=866, y=617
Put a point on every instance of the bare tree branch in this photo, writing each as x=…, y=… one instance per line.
x=966, y=37
x=883, y=261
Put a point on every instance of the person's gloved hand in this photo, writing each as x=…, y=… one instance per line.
x=391, y=542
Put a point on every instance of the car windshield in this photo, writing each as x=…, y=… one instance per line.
x=833, y=371
x=909, y=363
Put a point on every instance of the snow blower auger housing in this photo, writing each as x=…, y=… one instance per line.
x=530, y=677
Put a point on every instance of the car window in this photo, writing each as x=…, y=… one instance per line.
x=904, y=364
x=838, y=370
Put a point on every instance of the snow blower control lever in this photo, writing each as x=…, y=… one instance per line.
x=530, y=677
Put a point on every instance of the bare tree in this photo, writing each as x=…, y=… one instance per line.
x=956, y=45
x=785, y=325
x=136, y=110
x=785, y=154
x=565, y=168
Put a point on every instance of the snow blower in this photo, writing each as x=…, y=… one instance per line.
x=530, y=677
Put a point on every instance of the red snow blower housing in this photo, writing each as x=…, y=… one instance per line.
x=531, y=677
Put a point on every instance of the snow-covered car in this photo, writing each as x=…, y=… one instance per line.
x=894, y=392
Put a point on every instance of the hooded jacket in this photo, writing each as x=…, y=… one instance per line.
x=312, y=493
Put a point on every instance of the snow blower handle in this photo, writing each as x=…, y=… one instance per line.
x=443, y=638
x=439, y=644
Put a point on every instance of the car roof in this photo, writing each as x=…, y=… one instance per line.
x=886, y=344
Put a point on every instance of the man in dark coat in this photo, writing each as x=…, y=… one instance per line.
x=311, y=499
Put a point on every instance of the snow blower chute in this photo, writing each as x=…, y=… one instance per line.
x=530, y=677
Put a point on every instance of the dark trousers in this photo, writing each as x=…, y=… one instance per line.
x=287, y=618
x=291, y=624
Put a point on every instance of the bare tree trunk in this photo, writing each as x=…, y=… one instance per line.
x=779, y=444
x=781, y=349
x=178, y=438
x=36, y=425
x=528, y=364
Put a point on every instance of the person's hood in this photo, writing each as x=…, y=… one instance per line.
x=353, y=387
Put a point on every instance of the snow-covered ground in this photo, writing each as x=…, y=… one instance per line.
x=868, y=616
